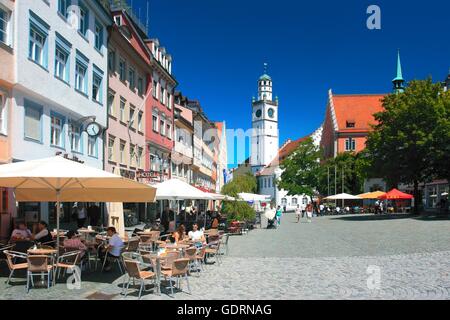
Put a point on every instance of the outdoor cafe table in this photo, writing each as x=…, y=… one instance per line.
x=44, y=252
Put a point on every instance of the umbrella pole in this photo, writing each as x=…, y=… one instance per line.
x=57, y=223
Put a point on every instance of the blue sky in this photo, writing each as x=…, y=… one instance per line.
x=219, y=48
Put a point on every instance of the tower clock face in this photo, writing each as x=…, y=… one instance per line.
x=258, y=113
x=271, y=113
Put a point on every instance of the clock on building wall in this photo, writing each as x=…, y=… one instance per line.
x=259, y=113
x=271, y=113
x=93, y=129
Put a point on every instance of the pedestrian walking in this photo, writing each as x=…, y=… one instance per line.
x=81, y=214
x=278, y=215
x=309, y=212
x=298, y=213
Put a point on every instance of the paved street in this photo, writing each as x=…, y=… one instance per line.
x=328, y=259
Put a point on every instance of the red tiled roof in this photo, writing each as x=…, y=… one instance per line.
x=358, y=109
x=283, y=153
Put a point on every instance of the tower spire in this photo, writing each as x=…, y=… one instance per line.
x=398, y=80
x=265, y=67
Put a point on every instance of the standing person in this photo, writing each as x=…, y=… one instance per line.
x=303, y=207
x=81, y=215
x=381, y=207
x=278, y=215
x=93, y=213
x=309, y=212
x=321, y=208
x=298, y=213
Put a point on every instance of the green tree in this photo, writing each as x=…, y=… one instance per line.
x=410, y=142
x=239, y=210
x=347, y=167
x=243, y=183
x=301, y=170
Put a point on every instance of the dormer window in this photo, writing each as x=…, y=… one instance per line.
x=118, y=20
x=351, y=123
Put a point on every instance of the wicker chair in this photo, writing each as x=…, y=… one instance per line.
x=133, y=245
x=67, y=261
x=39, y=265
x=11, y=257
x=200, y=257
x=213, y=249
x=134, y=272
x=191, y=254
x=178, y=270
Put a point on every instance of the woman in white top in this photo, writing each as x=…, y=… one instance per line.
x=298, y=212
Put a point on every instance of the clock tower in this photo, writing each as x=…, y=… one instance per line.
x=265, y=135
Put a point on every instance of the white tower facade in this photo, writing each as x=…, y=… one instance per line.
x=265, y=137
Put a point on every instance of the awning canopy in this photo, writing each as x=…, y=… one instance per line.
x=254, y=197
x=395, y=194
x=371, y=195
x=343, y=196
x=176, y=189
x=60, y=179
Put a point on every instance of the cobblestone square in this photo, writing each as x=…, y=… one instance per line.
x=331, y=258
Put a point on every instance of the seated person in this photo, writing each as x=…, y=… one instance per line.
x=180, y=234
x=114, y=247
x=215, y=223
x=21, y=233
x=197, y=236
x=73, y=241
x=43, y=235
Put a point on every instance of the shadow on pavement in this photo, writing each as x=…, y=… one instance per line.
x=423, y=217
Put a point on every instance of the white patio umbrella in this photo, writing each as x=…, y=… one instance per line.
x=177, y=190
x=343, y=196
x=57, y=179
x=254, y=197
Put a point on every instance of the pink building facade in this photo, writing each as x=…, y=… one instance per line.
x=129, y=72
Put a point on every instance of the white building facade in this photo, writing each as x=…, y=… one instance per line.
x=61, y=73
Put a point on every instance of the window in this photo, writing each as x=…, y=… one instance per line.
x=97, y=85
x=84, y=20
x=162, y=127
x=62, y=59
x=155, y=89
x=75, y=138
x=132, y=154
x=111, y=96
x=122, y=68
x=4, y=23
x=81, y=81
x=132, y=78
x=131, y=119
x=118, y=20
x=57, y=131
x=140, y=124
x=3, y=115
x=38, y=44
x=161, y=95
x=122, y=109
x=33, y=121
x=140, y=86
x=139, y=157
x=155, y=122
x=111, y=144
x=168, y=100
x=98, y=36
x=294, y=201
x=112, y=61
x=350, y=144
x=92, y=147
x=122, y=151
x=63, y=7
x=169, y=131
x=351, y=124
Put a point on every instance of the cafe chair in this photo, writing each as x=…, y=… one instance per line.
x=133, y=269
x=11, y=260
x=178, y=270
x=67, y=261
x=38, y=266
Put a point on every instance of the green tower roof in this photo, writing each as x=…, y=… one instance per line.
x=399, y=76
x=265, y=77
